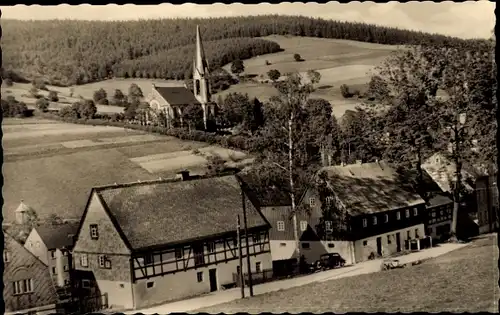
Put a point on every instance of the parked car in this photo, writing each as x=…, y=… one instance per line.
x=330, y=261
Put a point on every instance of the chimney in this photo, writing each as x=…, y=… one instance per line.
x=183, y=175
x=359, y=162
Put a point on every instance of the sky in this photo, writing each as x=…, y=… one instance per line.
x=470, y=19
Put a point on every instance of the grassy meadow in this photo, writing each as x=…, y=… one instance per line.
x=52, y=165
x=464, y=280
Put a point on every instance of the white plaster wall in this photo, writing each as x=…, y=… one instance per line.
x=281, y=250
x=119, y=293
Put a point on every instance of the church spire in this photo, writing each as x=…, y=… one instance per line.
x=200, y=61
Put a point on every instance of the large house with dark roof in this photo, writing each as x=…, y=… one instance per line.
x=151, y=242
x=52, y=244
x=172, y=101
x=28, y=287
x=381, y=213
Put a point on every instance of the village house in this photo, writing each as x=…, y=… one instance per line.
x=28, y=286
x=487, y=203
x=274, y=202
x=152, y=242
x=378, y=213
x=172, y=101
x=52, y=244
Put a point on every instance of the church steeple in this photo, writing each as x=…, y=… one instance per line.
x=201, y=84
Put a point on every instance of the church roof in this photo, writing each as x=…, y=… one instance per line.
x=177, y=95
x=155, y=214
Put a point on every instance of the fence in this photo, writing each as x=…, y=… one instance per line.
x=266, y=275
x=89, y=304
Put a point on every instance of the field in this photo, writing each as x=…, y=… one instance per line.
x=464, y=280
x=338, y=61
x=52, y=166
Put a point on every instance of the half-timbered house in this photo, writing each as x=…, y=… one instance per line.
x=377, y=213
x=152, y=242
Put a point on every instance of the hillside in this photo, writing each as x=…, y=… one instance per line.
x=75, y=52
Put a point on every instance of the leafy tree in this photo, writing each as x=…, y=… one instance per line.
x=99, y=95
x=237, y=67
x=131, y=110
x=69, y=112
x=215, y=164
x=193, y=116
x=377, y=88
x=273, y=74
x=134, y=92
x=297, y=57
x=87, y=109
x=314, y=76
x=54, y=219
x=42, y=104
x=53, y=97
x=12, y=108
x=39, y=84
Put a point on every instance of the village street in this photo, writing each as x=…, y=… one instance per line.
x=220, y=297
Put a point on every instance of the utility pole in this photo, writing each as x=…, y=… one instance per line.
x=250, y=284
x=240, y=258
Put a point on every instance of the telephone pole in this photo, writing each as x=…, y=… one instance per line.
x=242, y=278
x=249, y=267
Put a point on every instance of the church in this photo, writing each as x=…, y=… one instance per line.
x=172, y=101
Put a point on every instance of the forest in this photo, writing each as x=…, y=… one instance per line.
x=67, y=52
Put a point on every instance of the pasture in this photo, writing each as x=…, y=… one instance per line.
x=52, y=165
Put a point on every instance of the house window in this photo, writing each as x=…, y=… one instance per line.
x=374, y=220
x=303, y=225
x=257, y=267
x=6, y=256
x=84, y=260
x=211, y=247
x=398, y=215
x=238, y=270
x=53, y=254
x=256, y=238
x=386, y=218
x=433, y=214
x=329, y=200
x=178, y=253
x=365, y=243
x=441, y=213
x=66, y=268
x=150, y=284
x=416, y=234
x=148, y=259
x=407, y=212
x=281, y=225
x=312, y=202
x=365, y=223
x=408, y=236
x=199, y=255
x=94, y=232
x=305, y=246
x=331, y=245
x=65, y=253
x=104, y=262
x=282, y=244
x=54, y=271
x=66, y=281
x=328, y=226
x=388, y=239
x=23, y=286
x=415, y=212
x=85, y=284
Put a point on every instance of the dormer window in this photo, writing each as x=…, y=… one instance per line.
x=94, y=232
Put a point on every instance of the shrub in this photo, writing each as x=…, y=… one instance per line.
x=273, y=74
x=34, y=92
x=99, y=95
x=344, y=89
x=53, y=97
x=103, y=101
x=42, y=104
x=8, y=82
x=39, y=84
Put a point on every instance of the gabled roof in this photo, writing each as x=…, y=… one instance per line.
x=176, y=95
x=442, y=171
x=439, y=200
x=23, y=207
x=370, y=188
x=156, y=214
x=57, y=236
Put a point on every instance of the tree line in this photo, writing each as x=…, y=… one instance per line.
x=65, y=52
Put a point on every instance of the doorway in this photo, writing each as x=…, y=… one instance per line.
x=379, y=246
x=212, y=275
x=398, y=242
